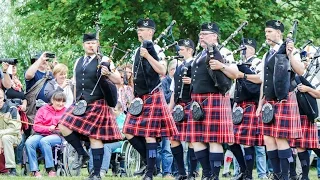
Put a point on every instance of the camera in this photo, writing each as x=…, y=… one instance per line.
x=11, y=61
x=50, y=55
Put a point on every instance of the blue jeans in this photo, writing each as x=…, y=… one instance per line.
x=108, y=149
x=318, y=166
x=165, y=156
x=45, y=143
x=19, y=149
x=261, y=161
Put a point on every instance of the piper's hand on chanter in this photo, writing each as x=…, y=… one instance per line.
x=215, y=64
x=144, y=52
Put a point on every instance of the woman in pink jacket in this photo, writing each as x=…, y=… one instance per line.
x=46, y=134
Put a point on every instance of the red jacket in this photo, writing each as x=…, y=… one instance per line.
x=45, y=117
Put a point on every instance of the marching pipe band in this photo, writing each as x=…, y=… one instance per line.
x=206, y=66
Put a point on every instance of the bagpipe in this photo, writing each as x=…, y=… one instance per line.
x=136, y=104
x=308, y=104
x=246, y=90
x=221, y=81
x=281, y=75
x=107, y=87
x=178, y=111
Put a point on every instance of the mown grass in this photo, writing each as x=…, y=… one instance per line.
x=312, y=176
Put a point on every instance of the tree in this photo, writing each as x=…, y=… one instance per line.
x=58, y=25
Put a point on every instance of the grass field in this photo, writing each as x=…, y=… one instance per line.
x=312, y=176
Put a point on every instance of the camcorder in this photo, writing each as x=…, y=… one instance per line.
x=50, y=55
x=11, y=61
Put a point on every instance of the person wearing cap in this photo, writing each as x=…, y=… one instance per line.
x=247, y=132
x=286, y=120
x=36, y=72
x=216, y=125
x=309, y=139
x=186, y=49
x=97, y=124
x=36, y=78
x=155, y=120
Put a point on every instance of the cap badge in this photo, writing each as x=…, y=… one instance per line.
x=145, y=23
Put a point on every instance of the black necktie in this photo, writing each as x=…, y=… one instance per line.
x=86, y=62
x=270, y=54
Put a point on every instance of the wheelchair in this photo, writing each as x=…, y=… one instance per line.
x=132, y=158
x=64, y=156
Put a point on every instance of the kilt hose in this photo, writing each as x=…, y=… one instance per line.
x=182, y=126
x=155, y=119
x=217, y=124
x=249, y=131
x=286, y=123
x=98, y=122
x=309, y=137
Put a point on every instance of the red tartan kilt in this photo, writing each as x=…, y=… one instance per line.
x=309, y=135
x=182, y=126
x=155, y=119
x=217, y=124
x=98, y=122
x=249, y=132
x=287, y=123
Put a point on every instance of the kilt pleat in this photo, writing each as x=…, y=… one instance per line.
x=287, y=123
x=155, y=119
x=182, y=126
x=249, y=131
x=309, y=137
x=217, y=124
x=98, y=122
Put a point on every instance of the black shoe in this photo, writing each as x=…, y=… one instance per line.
x=181, y=177
x=82, y=160
x=239, y=176
x=214, y=177
x=12, y=172
x=141, y=171
x=275, y=176
x=93, y=177
x=191, y=177
x=296, y=177
x=147, y=178
x=226, y=175
x=206, y=178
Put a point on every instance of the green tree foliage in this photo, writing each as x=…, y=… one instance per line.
x=58, y=25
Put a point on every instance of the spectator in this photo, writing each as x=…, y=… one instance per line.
x=45, y=134
x=125, y=91
x=60, y=83
x=128, y=69
x=15, y=94
x=10, y=126
x=37, y=72
x=166, y=81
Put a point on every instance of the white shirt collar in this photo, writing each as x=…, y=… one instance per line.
x=277, y=46
x=189, y=59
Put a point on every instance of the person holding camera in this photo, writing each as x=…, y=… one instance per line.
x=36, y=72
x=13, y=86
x=60, y=83
x=36, y=78
x=15, y=95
